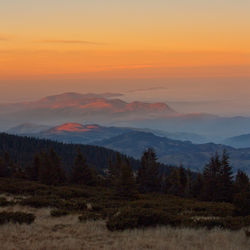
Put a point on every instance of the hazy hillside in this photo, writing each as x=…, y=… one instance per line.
x=93, y=108
x=194, y=156
x=22, y=150
x=107, y=110
x=79, y=133
x=241, y=141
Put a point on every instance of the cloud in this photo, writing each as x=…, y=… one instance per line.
x=3, y=39
x=146, y=89
x=72, y=42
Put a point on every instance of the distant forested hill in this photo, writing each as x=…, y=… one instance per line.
x=22, y=150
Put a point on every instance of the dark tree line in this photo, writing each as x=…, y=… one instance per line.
x=216, y=183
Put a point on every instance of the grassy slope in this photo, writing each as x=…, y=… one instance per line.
x=67, y=232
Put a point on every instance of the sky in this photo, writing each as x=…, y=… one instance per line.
x=194, y=54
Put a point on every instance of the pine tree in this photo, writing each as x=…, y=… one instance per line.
x=114, y=170
x=173, y=183
x=51, y=172
x=241, y=182
x=242, y=194
x=126, y=185
x=3, y=170
x=81, y=173
x=7, y=166
x=45, y=176
x=148, y=174
x=33, y=171
x=183, y=180
x=226, y=179
x=188, y=189
x=211, y=176
x=197, y=187
x=57, y=171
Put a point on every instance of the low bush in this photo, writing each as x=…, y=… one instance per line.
x=130, y=218
x=230, y=223
x=16, y=217
x=90, y=216
x=71, y=192
x=58, y=212
x=40, y=201
x=138, y=218
x=4, y=202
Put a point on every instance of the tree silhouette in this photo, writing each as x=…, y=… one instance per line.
x=81, y=173
x=148, y=174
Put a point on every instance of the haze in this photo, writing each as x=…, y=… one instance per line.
x=194, y=55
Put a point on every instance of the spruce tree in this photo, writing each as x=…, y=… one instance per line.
x=126, y=185
x=242, y=194
x=148, y=174
x=183, y=180
x=51, y=171
x=211, y=177
x=197, y=187
x=114, y=170
x=226, y=179
x=32, y=172
x=173, y=183
x=56, y=171
x=81, y=173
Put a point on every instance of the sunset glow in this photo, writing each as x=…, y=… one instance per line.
x=47, y=42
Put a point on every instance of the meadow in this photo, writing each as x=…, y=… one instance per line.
x=73, y=217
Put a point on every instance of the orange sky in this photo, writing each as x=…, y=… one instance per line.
x=133, y=39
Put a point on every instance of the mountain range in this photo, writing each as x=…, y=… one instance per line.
x=133, y=142
x=79, y=133
x=108, y=110
x=91, y=108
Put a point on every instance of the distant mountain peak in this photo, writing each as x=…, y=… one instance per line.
x=75, y=127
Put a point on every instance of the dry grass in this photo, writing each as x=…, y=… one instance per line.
x=66, y=233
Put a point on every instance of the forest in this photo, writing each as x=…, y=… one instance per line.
x=127, y=193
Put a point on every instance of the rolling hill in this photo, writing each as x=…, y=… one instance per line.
x=193, y=156
x=79, y=133
x=241, y=141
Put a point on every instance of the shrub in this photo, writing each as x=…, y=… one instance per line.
x=58, y=212
x=90, y=216
x=39, y=201
x=136, y=218
x=71, y=192
x=4, y=202
x=230, y=223
x=130, y=218
x=16, y=217
x=242, y=203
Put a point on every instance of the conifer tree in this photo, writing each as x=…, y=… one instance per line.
x=33, y=171
x=56, y=171
x=173, y=183
x=114, y=170
x=51, y=172
x=81, y=173
x=211, y=177
x=242, y=193
x=197, y=187
x=226, y=179
x=3, y=170
x=148, y=174
x=183, y=180
x=126, y=185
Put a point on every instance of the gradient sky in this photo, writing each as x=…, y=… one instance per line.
x=191, y=50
